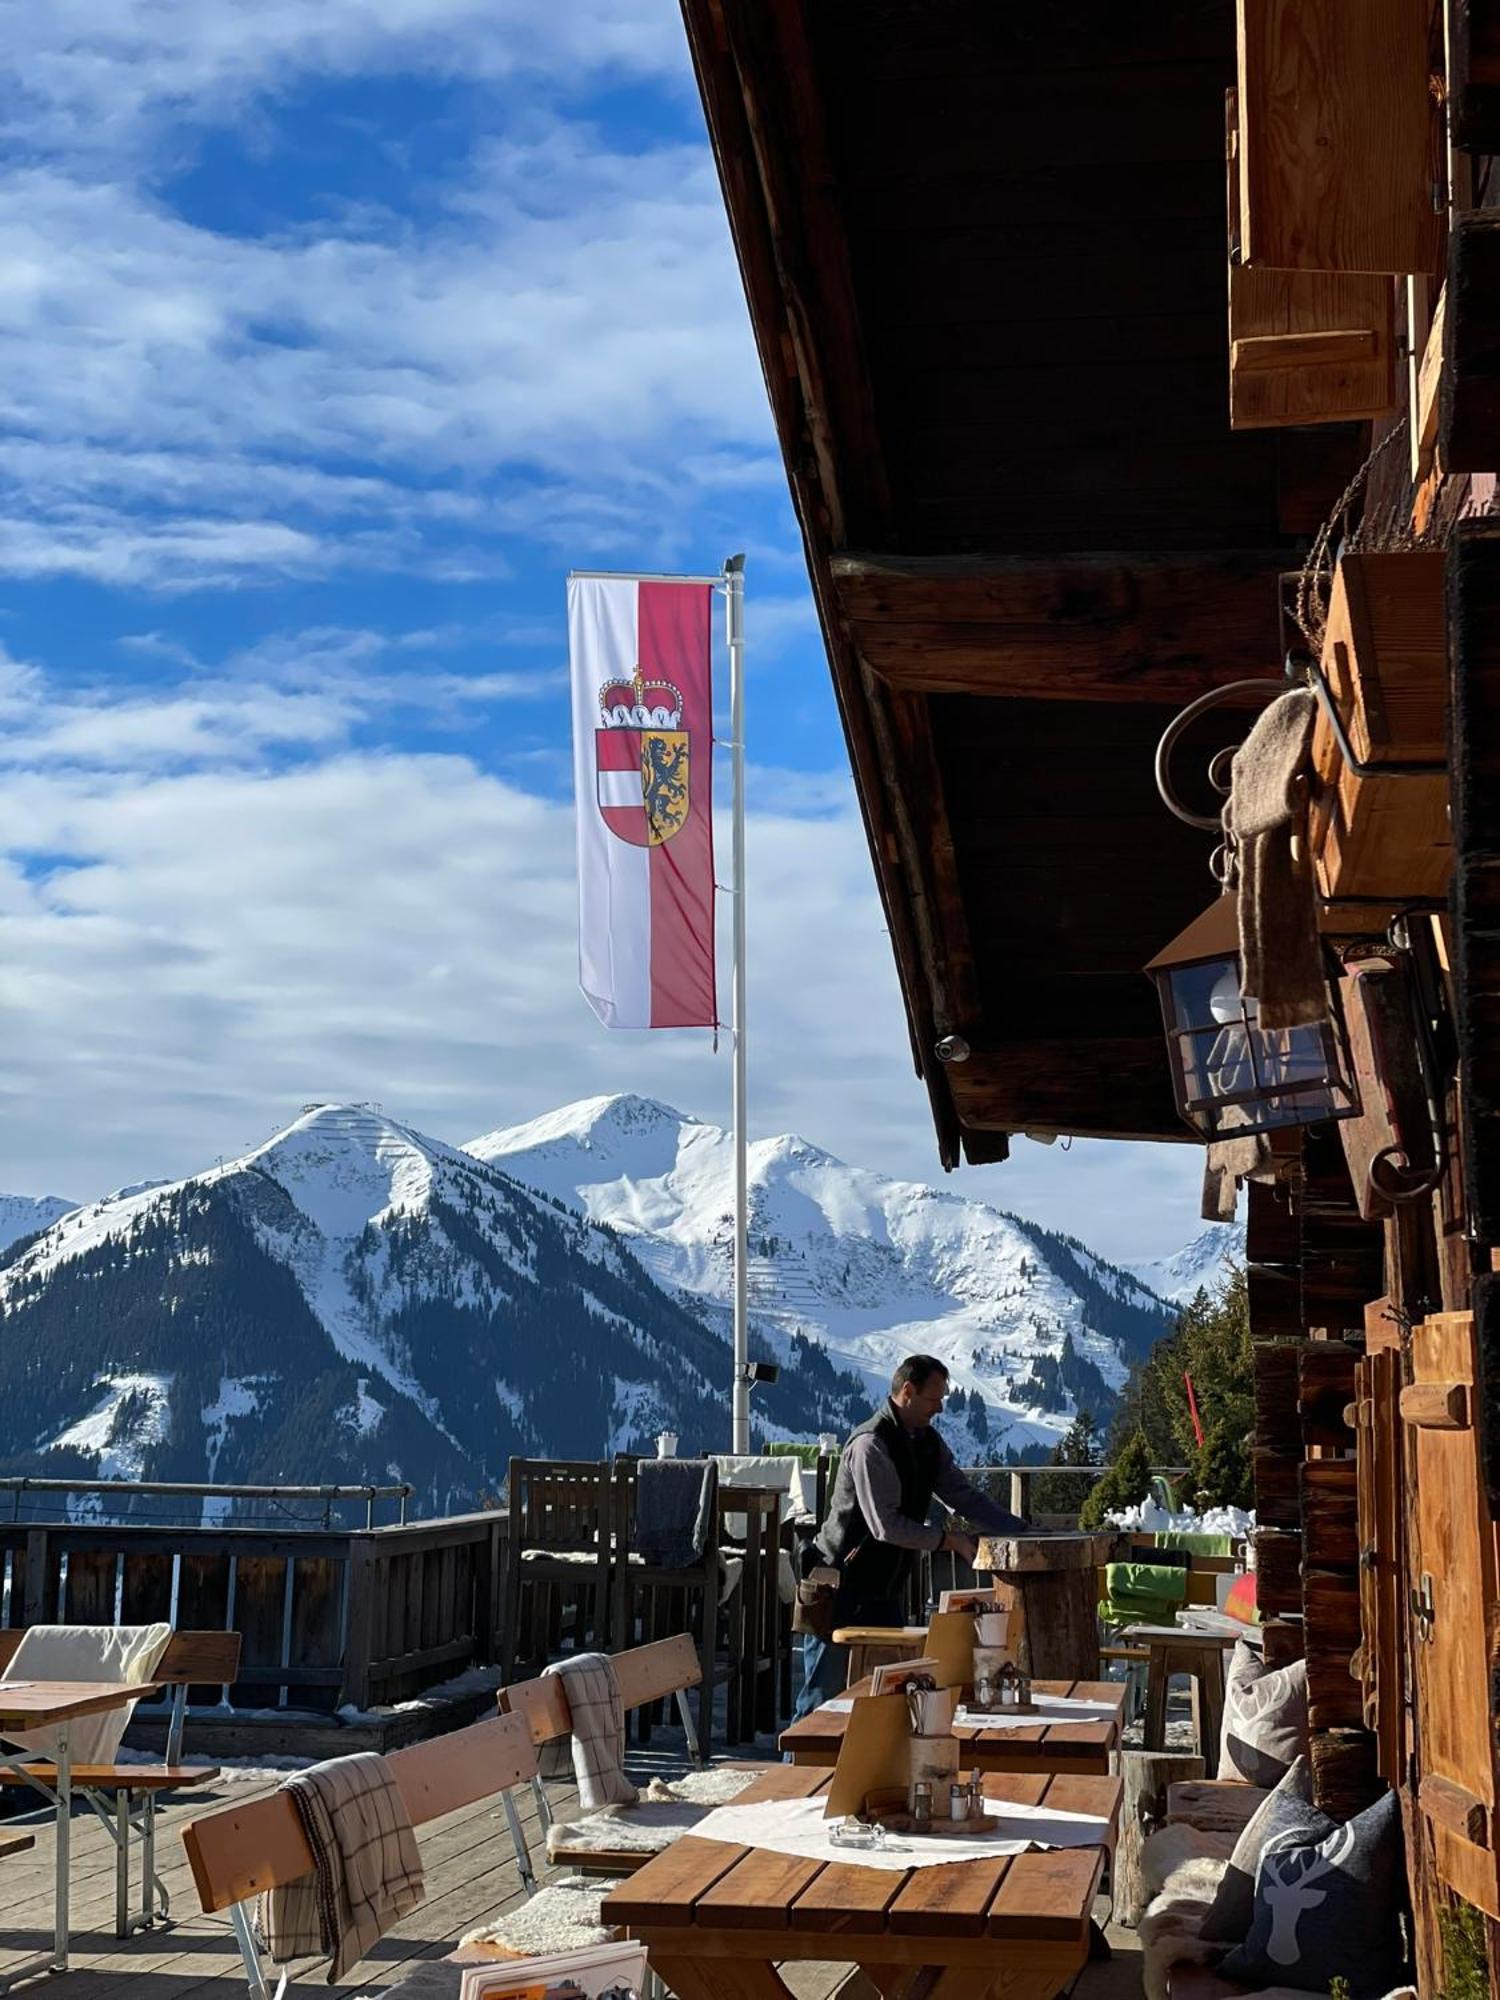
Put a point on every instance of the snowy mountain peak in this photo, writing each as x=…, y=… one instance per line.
x=1198, y=1266
x=353, y=1299
x=867, y=1268
x=24, y=1214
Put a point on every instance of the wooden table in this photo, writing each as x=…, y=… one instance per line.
x=26, y=1705
x=717, y=1920
x=1180, y=1649
x=1051, y=1746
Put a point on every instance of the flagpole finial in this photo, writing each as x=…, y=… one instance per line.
x=734, y=565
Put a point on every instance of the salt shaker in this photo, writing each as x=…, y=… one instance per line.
x=958, y=1800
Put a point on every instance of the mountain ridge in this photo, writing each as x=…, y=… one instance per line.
x=1030, y=1321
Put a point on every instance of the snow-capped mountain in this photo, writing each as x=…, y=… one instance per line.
x=1031, y=1324
x=24, y=1214
x=1198, y=1266
x=353, y=1301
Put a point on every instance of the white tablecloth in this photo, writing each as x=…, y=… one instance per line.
x=797, y=1826
x=1049, y=1708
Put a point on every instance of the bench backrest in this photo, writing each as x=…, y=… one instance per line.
x=208, y=1658
x=245, y=1849
x=644, y=1674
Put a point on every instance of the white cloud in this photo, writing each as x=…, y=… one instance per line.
x=201, y=943
x=188, y=408
x=99, y=79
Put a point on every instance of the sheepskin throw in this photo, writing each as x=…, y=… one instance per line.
x=561, y=1917
x=666, y=1812
x=1265, y=1718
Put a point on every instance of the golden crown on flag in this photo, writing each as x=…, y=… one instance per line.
x=640, y=704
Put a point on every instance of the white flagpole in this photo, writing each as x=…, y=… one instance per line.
x=734, y=592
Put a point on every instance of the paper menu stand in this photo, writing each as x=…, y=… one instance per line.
x=591, y=1970
x=873, y=1755
x=891, y=1674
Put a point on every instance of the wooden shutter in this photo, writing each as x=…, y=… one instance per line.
x=1453, y=1609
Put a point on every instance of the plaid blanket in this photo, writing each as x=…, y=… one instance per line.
x=598, y=1722
x=368, y=1873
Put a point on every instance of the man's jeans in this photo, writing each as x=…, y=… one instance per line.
x=825, y=1667
x=824, y=1670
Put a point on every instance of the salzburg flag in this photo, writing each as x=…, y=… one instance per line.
x=643, y=775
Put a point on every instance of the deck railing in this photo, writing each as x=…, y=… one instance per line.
x=328, y=1616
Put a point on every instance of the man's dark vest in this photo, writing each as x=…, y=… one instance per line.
x=872, y=1568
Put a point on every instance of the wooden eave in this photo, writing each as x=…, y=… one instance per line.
x=1029, y=533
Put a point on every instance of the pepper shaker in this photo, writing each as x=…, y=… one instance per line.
x=921, y=1803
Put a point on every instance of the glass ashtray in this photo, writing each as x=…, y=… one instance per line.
x=852, y=1832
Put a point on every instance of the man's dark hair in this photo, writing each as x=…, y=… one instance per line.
x=918, y=1369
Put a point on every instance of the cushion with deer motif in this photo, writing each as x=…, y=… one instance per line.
x=1328, y=1909
x=1286, y=1810
x=1265, y=1718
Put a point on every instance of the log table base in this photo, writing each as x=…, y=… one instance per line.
x=1053, y=1582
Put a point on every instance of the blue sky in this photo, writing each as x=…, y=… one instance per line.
x=331, y=336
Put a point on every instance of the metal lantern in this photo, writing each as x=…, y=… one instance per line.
x=1232, y=1077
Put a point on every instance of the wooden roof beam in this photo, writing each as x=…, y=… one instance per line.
x=1091, y=627
x=1037, y=1086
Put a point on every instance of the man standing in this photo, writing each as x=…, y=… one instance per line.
x=893, y=1468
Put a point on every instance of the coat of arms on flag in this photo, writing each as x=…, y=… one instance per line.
x=641, y=756
x=641, y=651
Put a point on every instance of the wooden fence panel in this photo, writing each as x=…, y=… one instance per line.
x=259, y=1616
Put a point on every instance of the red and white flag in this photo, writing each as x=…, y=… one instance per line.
x=643, y=775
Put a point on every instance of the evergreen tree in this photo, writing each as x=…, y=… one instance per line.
x=1126, y=1484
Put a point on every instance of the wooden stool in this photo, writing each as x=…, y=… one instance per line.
x=1176, y=1649
x=870, y=1646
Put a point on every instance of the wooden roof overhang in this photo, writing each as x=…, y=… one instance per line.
x=984, y=251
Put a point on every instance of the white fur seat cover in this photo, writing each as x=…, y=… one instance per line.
x=1189, y=1880
x=563, y=1916
x=666, y=1812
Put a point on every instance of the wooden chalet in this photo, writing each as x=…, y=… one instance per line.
x=1116, y=351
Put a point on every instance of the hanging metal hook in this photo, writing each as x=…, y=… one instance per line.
x=1173, y=733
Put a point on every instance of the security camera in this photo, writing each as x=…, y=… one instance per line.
x=952, y=1049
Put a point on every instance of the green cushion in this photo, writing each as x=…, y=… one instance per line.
x=1195, y=1545
x=1124, y=1581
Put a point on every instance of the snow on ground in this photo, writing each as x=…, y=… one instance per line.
x=133, y=1412
x=239, y=1396
x=1149, y=1519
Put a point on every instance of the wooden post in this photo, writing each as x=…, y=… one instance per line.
x=1146, y=1775
x=37, y=1611
x=359, y=1622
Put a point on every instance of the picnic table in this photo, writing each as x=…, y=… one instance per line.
x=1047, y=1746
x=718, y=1919
x=30, y=1705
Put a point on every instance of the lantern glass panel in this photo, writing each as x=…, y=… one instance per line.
x=1233, y=1077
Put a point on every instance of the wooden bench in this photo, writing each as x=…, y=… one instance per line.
x=666, y=1668
x=124, y=1796
x=1215, y=1805
x=242, y=1851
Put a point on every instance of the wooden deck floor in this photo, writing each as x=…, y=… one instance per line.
x=470, y=1876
